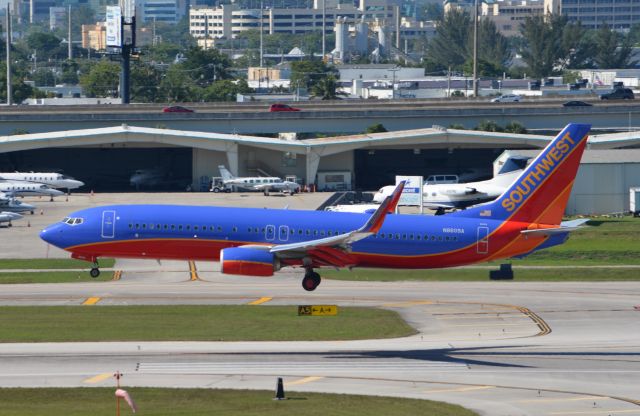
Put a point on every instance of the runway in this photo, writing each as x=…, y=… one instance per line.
x=498, y=348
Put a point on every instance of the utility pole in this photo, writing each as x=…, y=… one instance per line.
x=261, y=35
x=324, y=29
x=69, y=43
x=475, y=48
x=393, y=85
x=9, y=91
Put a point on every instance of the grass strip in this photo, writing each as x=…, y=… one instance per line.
x=195, y=402
x=51, y=263
x=592, y=274
x=193, y=323
x=51, y=277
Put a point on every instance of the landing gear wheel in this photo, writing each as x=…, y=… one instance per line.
x=95, y=272
x=311, y=281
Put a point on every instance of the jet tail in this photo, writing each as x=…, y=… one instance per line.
x=540, y=194
x=224, y=172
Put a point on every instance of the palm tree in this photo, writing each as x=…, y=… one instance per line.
x=326, y=88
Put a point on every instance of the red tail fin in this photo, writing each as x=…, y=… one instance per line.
x=541, y=192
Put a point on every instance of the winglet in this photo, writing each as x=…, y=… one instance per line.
x=388, y=206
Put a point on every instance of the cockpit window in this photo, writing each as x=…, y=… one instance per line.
x=73, y=221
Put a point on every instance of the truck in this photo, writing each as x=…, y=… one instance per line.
x=634, y=201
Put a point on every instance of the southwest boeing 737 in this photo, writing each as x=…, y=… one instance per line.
x=257, y=242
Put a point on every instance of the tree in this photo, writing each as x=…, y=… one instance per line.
x=326, y=88
x=612, y=49
x=145, y=83
x=177, y=86
x=225, y=90
x=376, y=128
x=19, y=90
x=102, y=80
x=308, y=72
x=493, y=49
x=433, y=11
x=43, y=77
x=543, y=50
x=69, y=73
x=515, y=127
x=45, y=45
x=163, y=52
x=206, y=66
x=489, y=125
x=449, y=45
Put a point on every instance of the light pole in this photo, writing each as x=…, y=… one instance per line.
x=393, y=84
x=475, y=48
x=8, y=44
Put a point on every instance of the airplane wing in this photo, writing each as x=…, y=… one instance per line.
x=565, y=226
x=334, y=250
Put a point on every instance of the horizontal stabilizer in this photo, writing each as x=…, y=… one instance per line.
x=565, y=227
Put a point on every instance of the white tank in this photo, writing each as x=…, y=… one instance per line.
x=382, y=41
x=362, y=34
x=342, y=38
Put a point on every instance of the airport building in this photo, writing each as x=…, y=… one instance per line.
x=106, y=158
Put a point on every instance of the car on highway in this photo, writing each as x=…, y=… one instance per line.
x=618, y=94
x=177, y=109
x=577, y=104
x=507, y=98
x=282, y=107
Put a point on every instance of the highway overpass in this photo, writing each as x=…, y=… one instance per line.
x=322, y=117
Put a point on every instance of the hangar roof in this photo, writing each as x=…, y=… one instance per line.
x=600, y=156
x=431, y=137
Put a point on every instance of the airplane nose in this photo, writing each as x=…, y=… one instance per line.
x=55, y=192
x=52, y=235
x=77, y=184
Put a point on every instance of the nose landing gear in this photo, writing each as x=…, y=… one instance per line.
x=311, y=280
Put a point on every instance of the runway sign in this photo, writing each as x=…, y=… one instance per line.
x=317, y=310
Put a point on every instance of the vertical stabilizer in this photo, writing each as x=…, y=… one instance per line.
x=540, y=194
x=224, y=172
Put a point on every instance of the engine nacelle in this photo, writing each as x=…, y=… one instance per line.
x=248, y=261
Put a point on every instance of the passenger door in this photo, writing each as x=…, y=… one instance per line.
x=482, y=246
x=108, y=224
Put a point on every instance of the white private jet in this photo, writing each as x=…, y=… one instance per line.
x=55, y=180
x=8, y=217
x=22, y=188
x=446, y=196
x=258, y=183
x=9, y=203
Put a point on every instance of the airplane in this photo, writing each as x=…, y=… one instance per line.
x=9, y=203
x=156, y=178
x=445, y=196
x=8, y=217
x=258, y=183
x=55, y=180
x=257, y=242
x=22, y=188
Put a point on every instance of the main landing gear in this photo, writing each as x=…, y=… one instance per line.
x=311, y=280
x=95, y=272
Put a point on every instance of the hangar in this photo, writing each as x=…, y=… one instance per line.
x=105, y=158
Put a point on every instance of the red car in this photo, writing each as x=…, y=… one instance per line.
x=282, y=107
x=177, y=109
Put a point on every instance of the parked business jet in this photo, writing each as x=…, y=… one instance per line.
x=256, y=183
x=257, y=242
x=8, y=217
x=444, y=196
x=55, y=180
x=22, y=188
x=11, y=204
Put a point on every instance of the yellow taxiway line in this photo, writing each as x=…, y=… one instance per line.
x=91, y=301
x=193, y=271
x=303, y=381
x=260, y=301
x=98, y=378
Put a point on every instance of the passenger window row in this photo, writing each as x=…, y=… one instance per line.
x=292, y=231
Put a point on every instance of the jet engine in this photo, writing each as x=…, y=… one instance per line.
x=248, y=261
